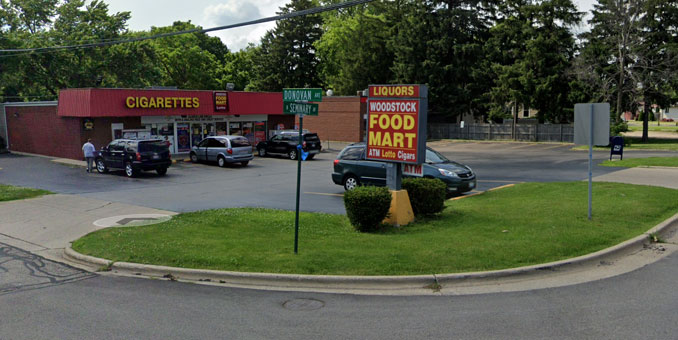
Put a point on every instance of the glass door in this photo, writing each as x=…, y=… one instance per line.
x=196, y=133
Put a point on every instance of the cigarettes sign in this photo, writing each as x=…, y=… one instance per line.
x=397, y=123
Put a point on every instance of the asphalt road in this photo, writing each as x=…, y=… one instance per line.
x=41, y=299
x=640, y=304
x=271, y=182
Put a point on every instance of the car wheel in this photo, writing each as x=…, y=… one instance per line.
x=221, y=161
x=161, y=171
x=292, y=154
x=101, y=166
x=351, y=182
x=129, y=170
x=194, y=157
x=262, y=152
x=245, y=163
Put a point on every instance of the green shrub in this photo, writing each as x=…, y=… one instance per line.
x=617, y=129
x=427, y=195
x=366, y=207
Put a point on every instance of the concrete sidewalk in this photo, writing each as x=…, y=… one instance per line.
x=654, y=176
x=48, y=224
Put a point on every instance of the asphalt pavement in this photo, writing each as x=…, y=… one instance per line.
x=40, y=298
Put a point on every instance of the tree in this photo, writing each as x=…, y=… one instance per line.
x=189, y=61
x=353, y=50
x=287, y=53
x=34, y=24
x=440, y=43
x=531, y=48
x=656, y=55
x=614, y=34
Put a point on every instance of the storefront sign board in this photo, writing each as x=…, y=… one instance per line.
x=220, y=101
x=396, y=123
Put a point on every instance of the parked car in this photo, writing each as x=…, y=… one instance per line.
x=134, y=156
x=223, y=150
x=285, y=143
x=351, y=169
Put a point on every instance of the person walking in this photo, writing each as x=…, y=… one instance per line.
x=88, y=150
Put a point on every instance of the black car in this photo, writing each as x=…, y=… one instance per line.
x=352, y=169
x=285, y=143
x=134, y=156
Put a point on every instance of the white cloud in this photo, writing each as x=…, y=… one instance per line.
x=234, y=11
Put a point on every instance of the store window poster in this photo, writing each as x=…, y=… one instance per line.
x=183, y=138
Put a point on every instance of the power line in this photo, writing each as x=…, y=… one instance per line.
x=315, y=10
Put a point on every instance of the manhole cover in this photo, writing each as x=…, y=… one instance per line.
x=131, y=220
x=303, y=304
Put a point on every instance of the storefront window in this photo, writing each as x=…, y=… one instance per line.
x=235, y=129
x=222, y=128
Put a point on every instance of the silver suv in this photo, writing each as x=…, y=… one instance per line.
x=223, y=150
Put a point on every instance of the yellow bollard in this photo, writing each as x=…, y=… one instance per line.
x=400, y=212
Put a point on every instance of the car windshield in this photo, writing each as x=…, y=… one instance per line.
x=238, y=142
x=155, y=146
x=434, y=157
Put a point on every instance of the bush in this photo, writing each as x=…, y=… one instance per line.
x=427, y=195
x=366, y=207
x=617, y=129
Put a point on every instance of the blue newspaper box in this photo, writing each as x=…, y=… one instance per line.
x=617, y=147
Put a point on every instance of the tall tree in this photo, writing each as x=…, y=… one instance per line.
x=655, y=66
x=288, y=57
x=531, y=47
x=440, y=43
x=354, y=51
x=615, y=26
x=189, y=61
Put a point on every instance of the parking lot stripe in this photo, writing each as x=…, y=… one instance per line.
x=557, y=146
x=323, y=194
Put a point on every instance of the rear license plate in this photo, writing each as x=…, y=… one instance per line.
x=156, y=156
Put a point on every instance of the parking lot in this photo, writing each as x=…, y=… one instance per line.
x=271, y=181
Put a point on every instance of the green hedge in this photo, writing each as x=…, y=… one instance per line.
x=427, y=195
x=367, y=206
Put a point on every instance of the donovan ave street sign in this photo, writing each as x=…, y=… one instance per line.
x=301, y=95
x=291, y=108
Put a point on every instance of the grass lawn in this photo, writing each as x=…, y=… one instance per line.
x=652, y=126
x=526, y=224
x=10, y=193
x=649, y=161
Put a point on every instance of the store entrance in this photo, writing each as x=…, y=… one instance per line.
x=200, y=131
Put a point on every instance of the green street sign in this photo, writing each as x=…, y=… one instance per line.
x=300, y=109
x=309, y=95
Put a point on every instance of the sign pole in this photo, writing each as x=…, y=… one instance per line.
x=296, y=217
x=591, y=163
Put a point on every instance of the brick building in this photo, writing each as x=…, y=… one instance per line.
x=182, y=117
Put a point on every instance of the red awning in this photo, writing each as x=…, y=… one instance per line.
x=134, y=103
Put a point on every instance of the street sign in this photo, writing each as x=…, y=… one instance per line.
x=592, y=127
x=599, y=123
x=291, y=108
x=302, y=95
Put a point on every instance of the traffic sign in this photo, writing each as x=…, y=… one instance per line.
x=291, y=108
x=302, y=95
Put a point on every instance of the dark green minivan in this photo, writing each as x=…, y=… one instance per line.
x=352, y=169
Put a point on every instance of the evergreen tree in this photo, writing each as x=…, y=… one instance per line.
x=287, y=53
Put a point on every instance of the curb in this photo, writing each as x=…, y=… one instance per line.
x=325, y=283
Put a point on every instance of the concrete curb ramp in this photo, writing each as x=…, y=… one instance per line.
x=386, y=285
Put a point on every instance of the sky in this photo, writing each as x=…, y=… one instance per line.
x=212, y=13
